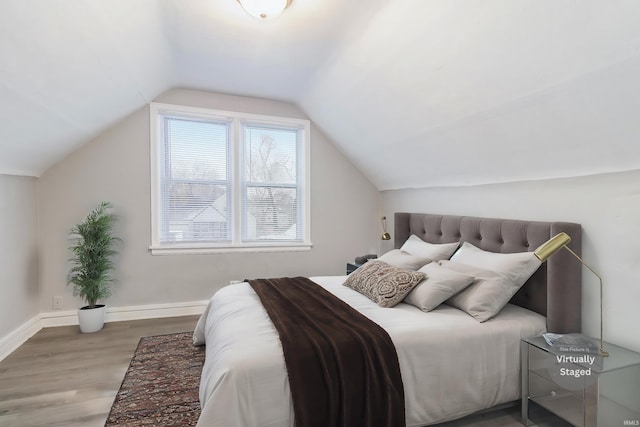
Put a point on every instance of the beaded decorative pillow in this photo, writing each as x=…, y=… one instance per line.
x=382, y=283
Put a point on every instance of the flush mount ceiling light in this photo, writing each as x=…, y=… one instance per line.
x=264, y=9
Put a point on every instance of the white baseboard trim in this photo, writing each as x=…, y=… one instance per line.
x=50, y=319
x=16, y=338
x=58, y=318
x=155, y=311
x=134, y=312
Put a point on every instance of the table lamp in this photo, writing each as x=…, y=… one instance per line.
x=552, y=246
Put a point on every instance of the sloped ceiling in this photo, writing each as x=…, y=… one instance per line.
x=415, y=92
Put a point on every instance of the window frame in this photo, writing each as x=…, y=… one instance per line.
x=237, y=119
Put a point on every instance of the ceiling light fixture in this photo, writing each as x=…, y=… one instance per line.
x=264, y=9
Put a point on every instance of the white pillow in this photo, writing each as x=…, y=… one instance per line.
x=400, y=259
x=439, y=286
x=517, y=267
x=498, y=278
x=434, y=251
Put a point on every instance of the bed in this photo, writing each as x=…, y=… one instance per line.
x=452, y=365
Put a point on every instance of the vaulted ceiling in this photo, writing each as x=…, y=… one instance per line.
x=415, y=92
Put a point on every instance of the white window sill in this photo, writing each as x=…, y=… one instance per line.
x=182, y=249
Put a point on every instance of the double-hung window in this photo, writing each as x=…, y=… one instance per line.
x=225, y=181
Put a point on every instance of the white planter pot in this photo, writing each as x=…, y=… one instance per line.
x=91, y=319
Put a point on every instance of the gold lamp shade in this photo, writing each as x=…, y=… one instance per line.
x=552, y=246
x=385, y=235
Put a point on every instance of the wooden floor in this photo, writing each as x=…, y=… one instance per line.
x=61, y=377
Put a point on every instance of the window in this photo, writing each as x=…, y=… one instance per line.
x=225, y=181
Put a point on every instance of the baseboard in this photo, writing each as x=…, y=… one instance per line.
x=135, y=312
x=113, y=314
x=16, y=338
x=58, y=318
x=155, y=311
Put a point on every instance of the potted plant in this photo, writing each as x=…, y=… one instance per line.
x=92, y=248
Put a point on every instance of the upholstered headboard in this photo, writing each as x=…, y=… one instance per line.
x=554, y=290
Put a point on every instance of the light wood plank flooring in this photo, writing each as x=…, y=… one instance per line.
x=61, y=377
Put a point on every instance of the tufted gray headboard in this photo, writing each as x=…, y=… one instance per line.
x=554, y=290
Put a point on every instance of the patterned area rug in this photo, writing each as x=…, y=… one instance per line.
x=160, y=387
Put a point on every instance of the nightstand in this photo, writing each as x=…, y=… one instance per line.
x=608, y=396
x=352, y=266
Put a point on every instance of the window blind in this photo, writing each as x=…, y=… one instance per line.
x=195, y=180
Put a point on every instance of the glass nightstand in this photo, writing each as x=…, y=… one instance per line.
x=608, y=396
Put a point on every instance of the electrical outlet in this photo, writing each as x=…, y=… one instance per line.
x=57, y=303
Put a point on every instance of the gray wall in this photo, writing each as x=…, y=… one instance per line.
x=607, y=206
x=115, y=167
x=18, y=252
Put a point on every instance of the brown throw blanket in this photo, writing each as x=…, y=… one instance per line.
x=343, y=368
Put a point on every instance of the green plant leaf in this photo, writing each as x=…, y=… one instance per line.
x=91, y=247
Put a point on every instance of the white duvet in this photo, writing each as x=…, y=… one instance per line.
x=451, y=365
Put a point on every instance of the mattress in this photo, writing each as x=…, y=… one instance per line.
x=451, y=365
